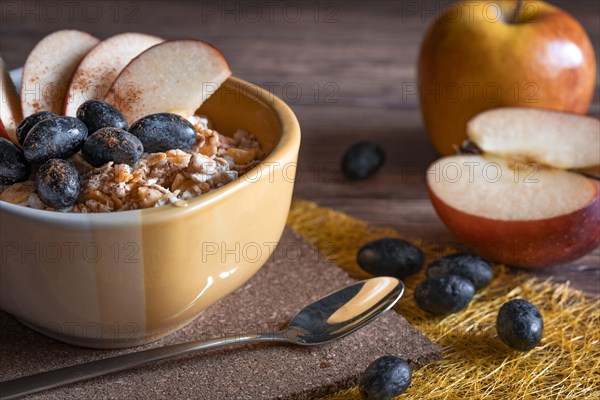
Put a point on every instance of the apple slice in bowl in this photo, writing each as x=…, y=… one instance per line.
x=516, y=213
x=49, y=69
x=173, y=76
x=101, y=66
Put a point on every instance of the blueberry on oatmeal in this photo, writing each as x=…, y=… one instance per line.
x=112, y=144
x=13, y=166
x=57, y=183
x=59, y=137
x=29, y=122
x=164, y=131
x=96, y=114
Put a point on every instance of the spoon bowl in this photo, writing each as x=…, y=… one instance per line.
x=344, y=311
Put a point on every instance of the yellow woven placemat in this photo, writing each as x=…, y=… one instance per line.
x=476, y=364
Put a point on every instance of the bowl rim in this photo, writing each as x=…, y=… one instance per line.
x=289, y=140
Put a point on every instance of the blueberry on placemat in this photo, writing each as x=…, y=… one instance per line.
x=59, y=137
x=385, y=378
x=390, y=257
x=112, y=144
x=164, y=131
x=57, y=183
x=362, y=160
x=469, y=266
x=13, y=166
x=29, y=122
x=96, y=114
x=520, y=325
x=444, y=295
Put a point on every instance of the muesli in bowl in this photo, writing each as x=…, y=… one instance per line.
x=155, y=179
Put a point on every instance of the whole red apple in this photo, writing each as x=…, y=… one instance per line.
x=480, y=55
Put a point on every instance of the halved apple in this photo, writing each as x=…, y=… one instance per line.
x=101, y=66
x=516, y=213
x=174, y=76
x=559, y=139
x=10, y=106
x=49, y=69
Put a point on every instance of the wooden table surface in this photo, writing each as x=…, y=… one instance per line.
x=343, y=66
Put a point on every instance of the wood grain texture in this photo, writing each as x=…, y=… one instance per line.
x=347, y=68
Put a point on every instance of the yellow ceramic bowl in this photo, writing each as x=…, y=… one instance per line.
x=127, y=278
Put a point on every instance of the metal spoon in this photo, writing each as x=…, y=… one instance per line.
x=327, y=319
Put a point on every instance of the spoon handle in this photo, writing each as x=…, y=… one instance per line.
x=63, y=376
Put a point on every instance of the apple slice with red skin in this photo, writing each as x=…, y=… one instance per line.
x=518, y=214
x=10, y=106
x=101, y=66
x=558, y=139
x=174, y=76
x=49, y=69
